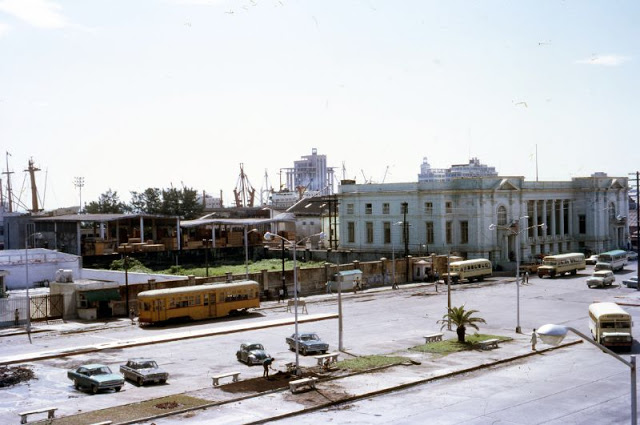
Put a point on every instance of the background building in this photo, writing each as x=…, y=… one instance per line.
x=585, y=214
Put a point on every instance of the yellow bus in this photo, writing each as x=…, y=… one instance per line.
x=469, y=270
x=557, y=265
x=610, y=325
x=197, y=302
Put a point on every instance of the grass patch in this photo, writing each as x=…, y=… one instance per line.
x=130, y=412
x=371, y=362
x=453, y=346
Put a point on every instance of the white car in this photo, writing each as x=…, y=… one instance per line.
x=632, y=256
x=601, y=278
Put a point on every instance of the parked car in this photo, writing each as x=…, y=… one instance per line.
x=592, y=260
x=252, y=353
x=601, y=278
x=307, y=343
x=96, y=377
x=632, y=282
x=632, y=256
x=142, y=371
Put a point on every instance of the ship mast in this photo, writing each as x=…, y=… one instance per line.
x=9, y=193
x=34, y=190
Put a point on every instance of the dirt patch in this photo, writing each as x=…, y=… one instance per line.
x=168, y=405
x=14, y=375
x=258, y=385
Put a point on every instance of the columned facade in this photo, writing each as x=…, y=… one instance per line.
x=585, y=214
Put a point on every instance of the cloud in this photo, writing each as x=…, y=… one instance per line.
x=4, y=29
x=38, y=13
x=606, y=60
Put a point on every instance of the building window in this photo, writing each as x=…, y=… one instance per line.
x=385, y=208
x=387, y=231
x=464, y=232
x=428, y=207
x=582, y=224
x=429, y=235
x=502, y=216
x=349, y=208
x=351, y=232
x=368, y=208
x=449, y=232
x=369, y=232
x=448, y=206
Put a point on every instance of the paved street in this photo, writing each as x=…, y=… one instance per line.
x=568, y=385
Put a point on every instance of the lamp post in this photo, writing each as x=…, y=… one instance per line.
x=515, y=230
x=268, y=236
x=554, y=334
x=35, y=236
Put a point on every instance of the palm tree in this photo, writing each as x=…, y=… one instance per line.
x=461, y=318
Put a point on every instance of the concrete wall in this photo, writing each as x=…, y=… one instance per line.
x=43, y=265
x=119, y=276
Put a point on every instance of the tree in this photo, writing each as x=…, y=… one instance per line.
x=461, y=318
x=149, y=201
x=172, y=201
x=108, y=203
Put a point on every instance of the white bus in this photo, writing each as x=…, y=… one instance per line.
x=470, y=270
x=610, y=325
x=612, y=260
x=557, y=265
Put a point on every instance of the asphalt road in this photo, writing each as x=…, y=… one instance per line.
x=575, y=383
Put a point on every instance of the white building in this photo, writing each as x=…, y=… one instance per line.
x=473, y=169
x=582, y=214
x=311, y=174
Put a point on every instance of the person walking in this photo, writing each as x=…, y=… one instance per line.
x=280, y=295
x=526, y=277
x=132, y=315
x=266, y=364
x=16, y=320
x=534, y=340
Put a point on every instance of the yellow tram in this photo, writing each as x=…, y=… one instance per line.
x=197, y=302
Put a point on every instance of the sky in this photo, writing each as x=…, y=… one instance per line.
x=159, y=93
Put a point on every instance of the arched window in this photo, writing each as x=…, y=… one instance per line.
x=502, y=215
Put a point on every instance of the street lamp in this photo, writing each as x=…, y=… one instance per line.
x=246, y=252
x=268, y=236
x=554, y=334
x=35, y=236
x=515, y=230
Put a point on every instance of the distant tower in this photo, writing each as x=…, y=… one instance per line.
x=311, y=174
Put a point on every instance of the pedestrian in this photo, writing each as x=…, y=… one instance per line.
x=526, y=277
x=132, y=315
x=280, y=295
x=266, y=364
x=534, y=339
x=16, y=320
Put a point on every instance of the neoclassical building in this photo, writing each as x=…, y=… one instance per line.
x=486, y=217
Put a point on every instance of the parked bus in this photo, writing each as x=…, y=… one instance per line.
x=610, y=325
x=558, y=265
x=612, y=260
x=469, y=270
x=197, y=302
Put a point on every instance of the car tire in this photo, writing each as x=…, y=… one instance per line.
x=163, y=381
x=304, y=351
x=75, y=384
x=140, y=381
x=94, y=389
x=118, y=389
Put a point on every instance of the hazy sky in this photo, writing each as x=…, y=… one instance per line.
x=154, y=93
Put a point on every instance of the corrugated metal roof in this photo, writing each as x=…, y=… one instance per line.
x=238, y=221
x=74, y=218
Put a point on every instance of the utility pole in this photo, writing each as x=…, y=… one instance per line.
x=405, y=235
x=9, y=193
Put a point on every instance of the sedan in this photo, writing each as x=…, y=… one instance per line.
x=601, y=278
x=632, y=256
x=307, y=343
x=142, y=371
x=252, y=353
x=96, y=377
x=592, y=260
x=632, y=282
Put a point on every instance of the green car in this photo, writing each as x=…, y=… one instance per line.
x=95, y=377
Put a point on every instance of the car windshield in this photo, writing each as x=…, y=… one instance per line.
x=309, y=337
x=255, y=347
x=146, y=365
x=99, y=371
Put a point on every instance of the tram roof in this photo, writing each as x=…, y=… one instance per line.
x=197, y=288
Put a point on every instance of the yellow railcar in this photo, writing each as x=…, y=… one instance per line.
x=197, y=302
